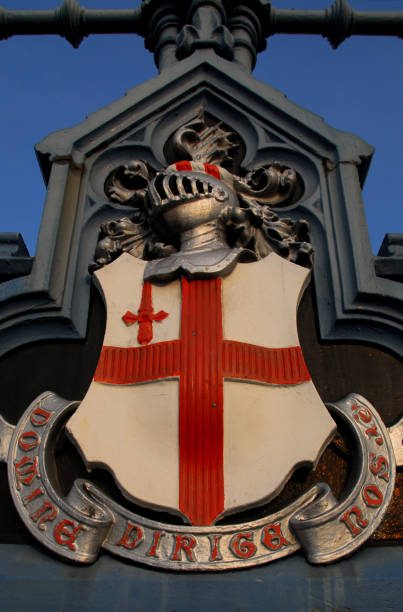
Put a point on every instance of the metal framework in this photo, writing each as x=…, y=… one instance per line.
x=47, y=297
x=74, y=22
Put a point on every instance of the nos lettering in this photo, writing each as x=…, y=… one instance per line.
x=372, y=496
x=379, y=466
x=361, y=523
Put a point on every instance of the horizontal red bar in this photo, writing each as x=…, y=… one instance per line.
x=123, y=366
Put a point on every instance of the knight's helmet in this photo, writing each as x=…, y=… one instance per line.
x=201, y=199
x=189, y=193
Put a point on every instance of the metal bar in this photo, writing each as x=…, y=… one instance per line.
x=96, y=22
x=74, y=22
x=379, y=23
x=290, y=21
x=71, y=21
x=336, y=23
x=370, y=23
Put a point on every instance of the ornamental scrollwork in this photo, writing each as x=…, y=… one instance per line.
x=243, y=209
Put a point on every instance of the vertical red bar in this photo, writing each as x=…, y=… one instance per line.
x=201, y=474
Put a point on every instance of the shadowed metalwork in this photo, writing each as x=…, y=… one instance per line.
x=174, y=30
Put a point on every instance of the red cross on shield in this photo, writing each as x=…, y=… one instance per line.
x=219, y=379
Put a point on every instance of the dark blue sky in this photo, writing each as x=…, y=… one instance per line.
x=47, y=85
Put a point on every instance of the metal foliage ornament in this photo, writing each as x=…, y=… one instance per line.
x=213, y=405
x=251, y=224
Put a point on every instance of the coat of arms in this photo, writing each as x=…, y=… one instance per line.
x=201, y=406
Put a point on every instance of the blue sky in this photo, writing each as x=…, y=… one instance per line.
x=47, y=85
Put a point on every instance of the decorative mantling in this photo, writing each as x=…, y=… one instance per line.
x=246, y=211
x=208, y=205
x=368, y=311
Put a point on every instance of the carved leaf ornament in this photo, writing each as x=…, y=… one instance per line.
x=210, y=148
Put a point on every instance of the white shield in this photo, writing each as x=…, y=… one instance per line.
x=224, y=454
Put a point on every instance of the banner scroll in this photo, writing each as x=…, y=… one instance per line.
x=77, y=526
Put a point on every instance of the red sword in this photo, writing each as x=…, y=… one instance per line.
x=201, y=358
x=145, y=316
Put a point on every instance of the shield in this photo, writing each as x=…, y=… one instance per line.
x=201, y=403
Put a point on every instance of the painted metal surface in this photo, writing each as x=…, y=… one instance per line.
x=357, y=301
x=354, y=304
x=169, y=202
x=78, y=525
x=370, y=581
x=396, y=436
x=200, y=27
x=218, y=431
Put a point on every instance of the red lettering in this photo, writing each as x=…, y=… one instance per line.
x=26, y=470
x=132, y=537
x=65, y=533
x=242, y=546
x=372, y=496
x=272, y=537
x=361, y=522
x=215, y=554
x=362, y=413
x=379, y=466
x=186, y=543
x=372, y=431
x=37, y=493
x=46, y=513
x=28, y=440
x=40, y=417
x=156, y=540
